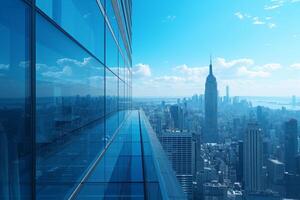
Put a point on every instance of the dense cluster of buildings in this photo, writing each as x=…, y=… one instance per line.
x=225, y=148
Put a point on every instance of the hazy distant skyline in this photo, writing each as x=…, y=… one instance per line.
x=255, y=47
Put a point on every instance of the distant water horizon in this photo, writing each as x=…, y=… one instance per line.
x=265, y=101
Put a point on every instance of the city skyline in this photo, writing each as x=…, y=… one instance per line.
x=255, y=47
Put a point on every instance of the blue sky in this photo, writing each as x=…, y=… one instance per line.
x=255, y=46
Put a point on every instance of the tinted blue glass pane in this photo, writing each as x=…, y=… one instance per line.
x=121, y=67
x=118, y=169
x=122, y=95
x=15, y=136
x=121, y=101
x=153, y=191
x=112, y=123
x=112, y=52
x=82, y=19
x=111, y=16
x=112, y=191
x=69, y=111
x=111, y=92
x=119, y=173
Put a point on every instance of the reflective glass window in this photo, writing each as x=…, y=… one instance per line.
x=15, y=118
x=82, y=19
x=121, y=67
x=111, y=102
x=119, y=174
x=112, y=52
x=69, y=111
x=111, y=16
x=121, y=100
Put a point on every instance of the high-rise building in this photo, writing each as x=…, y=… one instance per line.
x=211, y=108
x=290, y=145
x=276, y=175
x=227, y=94
x=177, y=116
x=259, y=115
x=67, y=130
x=214, y=190
x=253, y=161
x=174, y=111
x=275, y=170
x=180, y=149
x=294, y=100
x=240, y=162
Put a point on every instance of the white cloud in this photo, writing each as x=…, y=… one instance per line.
x=272, y=7
x=39, y=66
x=66, y=71
x=239, y=15
x=296, y=66
x=231, y=63
x=169, y=79
x=69, y=61
x=191, y=71
x=243, y=75
x=4, y=66
x=96, y=81
x=257, y=20
x=271, y=66
x=255, y=71
x=244, y=72
x=275, y=4
x=271, y=25
x=24, y=64
x=141, y=70
x=169, y=18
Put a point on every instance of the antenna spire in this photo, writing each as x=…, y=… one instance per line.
x=210, y=66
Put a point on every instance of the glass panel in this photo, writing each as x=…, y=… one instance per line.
x=111, y=92
x=15, y=135
x=112, y=190
x=121, y=101
x=112, y=121
x=119, y=173
x=121, y=67
x=112, y=53
x=111, y=17
x=69, y=111
x=82, y=19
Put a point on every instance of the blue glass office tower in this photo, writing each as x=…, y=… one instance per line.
x=66, y=126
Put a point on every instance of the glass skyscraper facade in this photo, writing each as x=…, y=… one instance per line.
x=66, y=126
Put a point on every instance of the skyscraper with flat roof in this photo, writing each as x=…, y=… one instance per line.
x=180, y=148
x=211, y=108
x=253, y=154
x=227, y=94
x=290, y=145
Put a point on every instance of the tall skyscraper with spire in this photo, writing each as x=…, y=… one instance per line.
x=211, y=108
